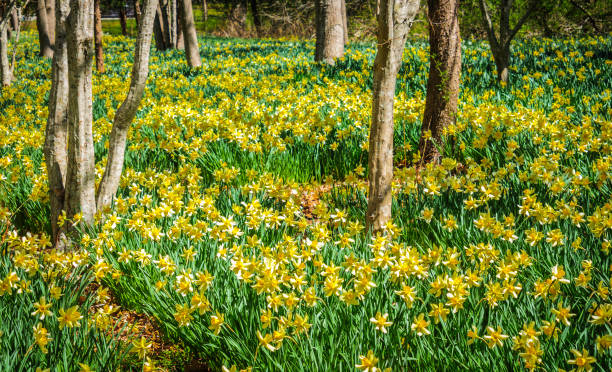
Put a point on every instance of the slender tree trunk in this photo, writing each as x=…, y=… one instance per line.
x=345, y=22
x=174, y=20
x=50, y=8
x=98, y=37
x=123, y=20
x=137, y=15
x=189, y=31
x=394, y=22
x=80, y=177
x=204, y=12
x=56, y=133
x=444, y=73
x=256, y=19
x=330, y=29
x=126, y=112
x=15, y=22
x=5, y=68
x=46, y=49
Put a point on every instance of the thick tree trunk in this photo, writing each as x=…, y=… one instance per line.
x=345, y=22
x=15, y=22
x=80, y=177
x=50, y=8
x=123, y=21
x=56, y=140
x=444, y=73
x=98, y=37
x=189, y=31
x=5, y=68
x=394, y=22
x=126, y=112
x=137, y=14
x=46, y=49
x=330, y=31
x=501, y=56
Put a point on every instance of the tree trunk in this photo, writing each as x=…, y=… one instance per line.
x=180, y=36
x=5, y=68
x=166, y=22
x=444, y=73
x=255, y=12
x=46, y=49
x=501, y=56
x=204, y=13
x=98, y=37
x=15, y=19
x=345, y=22
x=50, y=8
x=137, y=15
x=158, y=30
x=394, y=22
x=174, y=26
x=56, y=132
x=80, y=177
x=330, y=31
x=123, y=20
x=189, y=31
x=126, y=112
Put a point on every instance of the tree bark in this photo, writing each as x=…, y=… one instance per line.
x=80, y=177
x=50, y=8
x=56, y=141
x=394, y=22
x=189, y=31
x=98, y=37
x=137, y=14
x=500, y=46
x=174, y=24
x=166, y=23
x=330, y=31
x=180, y=36
x=204, y=12
x=46, y=49
x=126, y=112
x=161, y=42
x=123, y=20
x=345, y=22
x=5, y=68
x=443, y=80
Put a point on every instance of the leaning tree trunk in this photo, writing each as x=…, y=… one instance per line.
x=80, y=177
x=46, y=49
x=189, y=31
x=50, y=4
x=123, y=20
x=330, y=30
x=98, y=37
x=394, y=22
x=126, y=112
x=444, y=73
x=56, y=132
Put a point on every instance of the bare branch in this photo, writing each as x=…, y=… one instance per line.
x=589, y=16
x=486, y=15
x=532, y=6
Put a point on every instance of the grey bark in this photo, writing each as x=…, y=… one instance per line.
x=80, y=177
x=345, y=22
x=137, y=12
x=394, y=22
x=56, y=140
x=126, y=112
x=46, y=49
x=189, y=31
x=330, y=31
